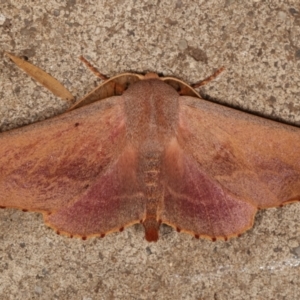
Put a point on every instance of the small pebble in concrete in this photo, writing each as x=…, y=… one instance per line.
x=2, y=19
x=182, y=45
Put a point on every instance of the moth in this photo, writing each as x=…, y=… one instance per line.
x=149, y=150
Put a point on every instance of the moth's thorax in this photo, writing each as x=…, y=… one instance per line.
x=152, y=113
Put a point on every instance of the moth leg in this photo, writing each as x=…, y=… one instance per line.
x=208, y=79
x=184, y=90
x=119, y=89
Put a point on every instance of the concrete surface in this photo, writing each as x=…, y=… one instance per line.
x=259, y=44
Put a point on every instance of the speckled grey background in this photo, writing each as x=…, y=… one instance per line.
x=259, y=44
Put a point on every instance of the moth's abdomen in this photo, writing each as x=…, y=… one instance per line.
x=150, y=172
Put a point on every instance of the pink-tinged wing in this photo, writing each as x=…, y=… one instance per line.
x=224, y=165
x=196, y=203
x=71, y=168
x=110, y=204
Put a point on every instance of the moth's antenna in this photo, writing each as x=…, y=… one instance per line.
x=92, y=68
x=208, y=79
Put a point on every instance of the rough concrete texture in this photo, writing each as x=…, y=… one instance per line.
x=259, y=44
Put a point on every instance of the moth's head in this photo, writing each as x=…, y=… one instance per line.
x=150, y=76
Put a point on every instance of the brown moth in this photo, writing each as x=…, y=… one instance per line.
x=149, y=150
